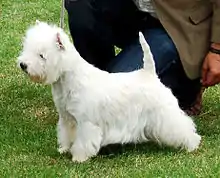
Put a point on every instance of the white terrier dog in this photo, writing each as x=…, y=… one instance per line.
x=97, y=108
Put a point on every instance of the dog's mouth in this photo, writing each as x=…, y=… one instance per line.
x=37, y=79
x=25, y=71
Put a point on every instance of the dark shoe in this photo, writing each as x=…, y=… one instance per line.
x=195, y=108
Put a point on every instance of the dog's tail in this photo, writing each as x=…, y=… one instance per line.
x=148, y=60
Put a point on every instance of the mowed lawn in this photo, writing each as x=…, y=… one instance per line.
x=28, y=120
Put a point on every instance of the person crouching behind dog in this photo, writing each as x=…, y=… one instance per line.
x=183, y=36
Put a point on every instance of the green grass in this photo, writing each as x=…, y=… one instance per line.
x=28, y=120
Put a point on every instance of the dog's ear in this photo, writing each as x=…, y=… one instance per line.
x=59, y=42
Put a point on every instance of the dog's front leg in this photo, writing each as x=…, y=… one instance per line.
x=66, y=129
x=87, y=143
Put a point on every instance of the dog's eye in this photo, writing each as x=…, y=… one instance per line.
x=41, y=55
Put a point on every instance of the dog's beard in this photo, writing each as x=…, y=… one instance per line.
x=37, y=79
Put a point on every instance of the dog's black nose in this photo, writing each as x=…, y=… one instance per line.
x=23, y=66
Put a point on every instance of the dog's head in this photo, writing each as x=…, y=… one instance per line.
x=41, y=58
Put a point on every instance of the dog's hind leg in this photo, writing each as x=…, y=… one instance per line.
x=66, y=128
x=176, y=130
x=87, y=143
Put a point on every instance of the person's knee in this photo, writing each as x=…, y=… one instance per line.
x=166, y=56
x=162, y=48
x=169, y=50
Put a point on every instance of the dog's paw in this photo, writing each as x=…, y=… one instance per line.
x=63, y=150
x=193, y=142
x=79, y=159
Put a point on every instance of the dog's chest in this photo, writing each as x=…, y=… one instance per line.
x=60, y=96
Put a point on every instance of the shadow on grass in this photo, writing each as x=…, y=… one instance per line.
x=115, y=151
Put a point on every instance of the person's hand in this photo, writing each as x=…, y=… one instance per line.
x=211, y=69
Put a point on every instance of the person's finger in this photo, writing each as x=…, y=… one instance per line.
x=211, y=79
x=217, y=79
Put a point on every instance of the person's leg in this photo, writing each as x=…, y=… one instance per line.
x=91, y=37
x=168, y=64
x=97, y=25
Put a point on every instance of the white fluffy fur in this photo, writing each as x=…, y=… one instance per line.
x=97, y=108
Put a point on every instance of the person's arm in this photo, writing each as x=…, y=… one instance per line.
x=211, y=65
